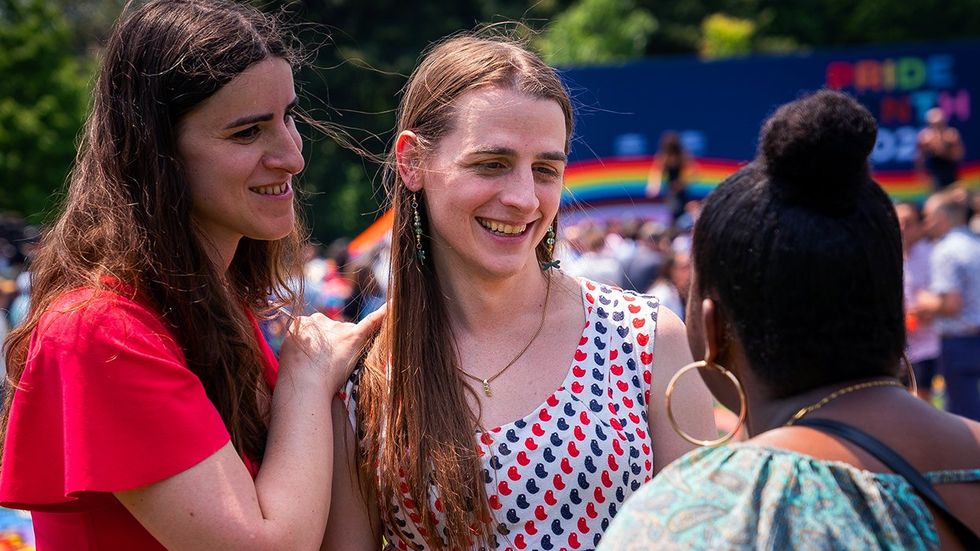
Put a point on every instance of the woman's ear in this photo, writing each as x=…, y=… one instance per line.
x=717, y=351
x=712, y=331
x=408, y=156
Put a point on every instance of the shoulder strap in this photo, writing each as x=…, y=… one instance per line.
x=896, y=463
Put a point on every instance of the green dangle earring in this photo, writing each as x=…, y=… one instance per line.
x=417, y=226
x=549, y=241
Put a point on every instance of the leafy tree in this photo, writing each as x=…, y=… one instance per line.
x=725, y=36
x=91, y=20
x=789, y=24
x=849, y=22
x=43, y=96
x=594, y=31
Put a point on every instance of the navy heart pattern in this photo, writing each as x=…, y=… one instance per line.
x=556, y=478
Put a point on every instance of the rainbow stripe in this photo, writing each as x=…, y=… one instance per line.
x=624, y=180
x=618, y=183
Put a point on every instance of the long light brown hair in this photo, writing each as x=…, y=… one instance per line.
x=127, y=214
x=414, y=423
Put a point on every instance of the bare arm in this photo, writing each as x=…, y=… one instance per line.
x=921, y=143
x=654, y=178
x=955, y=145
x=691, y=401
x=355, y=526
x=930, y=305
x=215, y=504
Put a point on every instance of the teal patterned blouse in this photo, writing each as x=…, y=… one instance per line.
x=746, y=496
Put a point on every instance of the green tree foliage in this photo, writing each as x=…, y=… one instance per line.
x=791, y=24
x=726, y=36
x=43, y=96
x=595, y=31
x=849, y=22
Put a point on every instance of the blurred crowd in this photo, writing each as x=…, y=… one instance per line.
x=16, y=240
x=647, y=256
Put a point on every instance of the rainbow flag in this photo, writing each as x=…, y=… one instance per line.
x=624, y=180
x=619, y=185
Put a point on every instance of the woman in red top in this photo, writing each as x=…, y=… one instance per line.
x=139, y=402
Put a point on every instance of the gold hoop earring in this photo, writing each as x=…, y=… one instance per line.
x=913, y=384
x=743, y=408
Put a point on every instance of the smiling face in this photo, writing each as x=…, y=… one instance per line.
x=239, y=150
x=493, y=184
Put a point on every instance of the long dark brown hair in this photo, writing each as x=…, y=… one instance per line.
x=413, y=418
x=127, y=214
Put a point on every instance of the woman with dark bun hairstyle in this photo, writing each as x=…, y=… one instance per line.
x=796, y=310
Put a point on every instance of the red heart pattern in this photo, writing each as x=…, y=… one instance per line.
x=557, y=477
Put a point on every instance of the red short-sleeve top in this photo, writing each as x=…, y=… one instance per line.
x=106, y=403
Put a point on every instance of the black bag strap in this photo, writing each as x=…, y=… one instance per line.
x=900, y=466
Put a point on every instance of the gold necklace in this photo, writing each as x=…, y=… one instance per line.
x=837, y=394
x=486, y=382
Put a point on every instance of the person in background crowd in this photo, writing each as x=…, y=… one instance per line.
x=620, y=241
x=796, y=309
x=692, y=210
x=923, y=341
x=644, y=265
x=939, y=150
x=21, y=303
x=503, y=397
x=593, y=260
x=337, y=287
x=672, y=285
x=367, y=295
x=953, y=299
x=975, y=208
x=670, y=172
x=142, y=408
x=4, y=330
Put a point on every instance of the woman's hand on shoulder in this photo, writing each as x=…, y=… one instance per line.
x=324, y=349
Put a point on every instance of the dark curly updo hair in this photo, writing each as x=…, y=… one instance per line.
x=802, y=253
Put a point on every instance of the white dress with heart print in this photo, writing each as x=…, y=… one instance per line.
x=557, y=477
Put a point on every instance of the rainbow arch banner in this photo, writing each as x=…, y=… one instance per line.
x=616, y=188
x=623, y=181
x=717, y=107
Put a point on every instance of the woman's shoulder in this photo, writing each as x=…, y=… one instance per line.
x=748, y=466
x=146, y=415
x=87, y=313
x=609, y=298
x=746, y=495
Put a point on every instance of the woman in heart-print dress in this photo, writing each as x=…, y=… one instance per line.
x=505, y=405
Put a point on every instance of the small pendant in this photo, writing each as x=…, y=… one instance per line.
x=486, y=388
